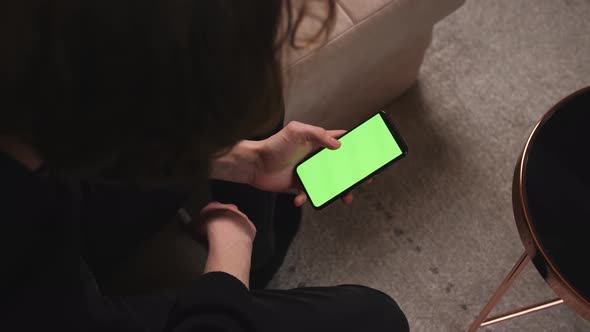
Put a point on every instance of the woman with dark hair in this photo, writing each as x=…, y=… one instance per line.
x=111, y=112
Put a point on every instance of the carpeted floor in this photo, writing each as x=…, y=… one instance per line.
x=436, y=231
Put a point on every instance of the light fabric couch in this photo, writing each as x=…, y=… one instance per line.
x=373, y=55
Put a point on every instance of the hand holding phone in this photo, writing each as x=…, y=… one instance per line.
x=277, y=156
x=365, y=150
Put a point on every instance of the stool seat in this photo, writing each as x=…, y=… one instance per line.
x=552, y=199
x=551, y=202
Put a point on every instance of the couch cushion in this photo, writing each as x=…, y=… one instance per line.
x=348, y=14
x=309, y=27
x=359, y=10
x=372, y=56
x=352, y=13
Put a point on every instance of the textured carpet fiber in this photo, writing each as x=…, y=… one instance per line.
x=436, y=231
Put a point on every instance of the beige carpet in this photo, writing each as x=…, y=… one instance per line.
x=436, y=231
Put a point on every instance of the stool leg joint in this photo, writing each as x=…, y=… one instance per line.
x=504, y=286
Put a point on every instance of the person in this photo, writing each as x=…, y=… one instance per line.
x=114, y=114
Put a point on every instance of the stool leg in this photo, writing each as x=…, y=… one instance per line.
x=522, y=312
x=504, y=286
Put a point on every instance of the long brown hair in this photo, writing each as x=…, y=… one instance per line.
x=142, y=89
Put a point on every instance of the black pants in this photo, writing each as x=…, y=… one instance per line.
x=338, y=308
x=313, y=309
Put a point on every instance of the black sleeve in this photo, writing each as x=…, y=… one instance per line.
x=216, y=301
x=47, y=286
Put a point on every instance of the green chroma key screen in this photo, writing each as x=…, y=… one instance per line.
x=363, y=151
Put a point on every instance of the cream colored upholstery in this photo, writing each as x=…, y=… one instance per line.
x=372, y=55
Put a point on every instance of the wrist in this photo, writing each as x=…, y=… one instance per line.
x=224, y=240
x=225, y=230
x=239, y=165
x=233, y=260
x=252, y=151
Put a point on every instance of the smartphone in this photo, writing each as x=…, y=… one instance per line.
x=365, y=150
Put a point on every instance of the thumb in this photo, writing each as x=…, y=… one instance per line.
x=328, y=138
x=322, y=137
x=331, y=136
x=316, y=135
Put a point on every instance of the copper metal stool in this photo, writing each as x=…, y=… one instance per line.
x=551, y=202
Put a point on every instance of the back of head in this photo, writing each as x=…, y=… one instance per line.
x=146, y=90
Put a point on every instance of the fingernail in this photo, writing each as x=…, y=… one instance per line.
x=336, y=142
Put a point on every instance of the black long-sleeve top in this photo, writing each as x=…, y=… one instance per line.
x=46, y=282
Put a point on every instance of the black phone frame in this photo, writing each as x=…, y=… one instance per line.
x=396, y=136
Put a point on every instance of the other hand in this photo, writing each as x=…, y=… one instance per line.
x=230, y=235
